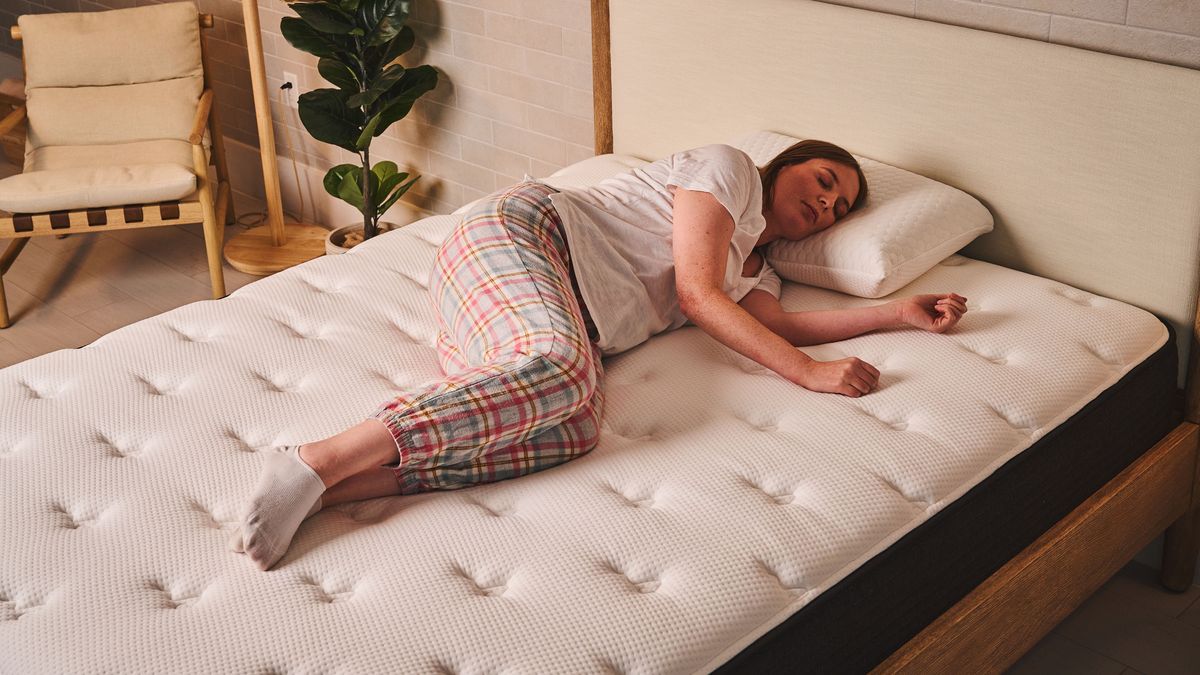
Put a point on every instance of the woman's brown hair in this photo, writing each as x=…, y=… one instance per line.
x=802, y=152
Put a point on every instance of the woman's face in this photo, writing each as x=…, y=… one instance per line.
x=810, y=197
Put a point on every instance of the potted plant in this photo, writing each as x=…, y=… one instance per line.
x=357, y=42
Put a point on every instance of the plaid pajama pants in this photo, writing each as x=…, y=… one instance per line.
x=522, y=387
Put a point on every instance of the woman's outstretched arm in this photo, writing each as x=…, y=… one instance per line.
x=934, y=313
x=701, y=235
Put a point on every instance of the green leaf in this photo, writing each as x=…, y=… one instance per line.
x=307, y=39
x=380, y=86
x=385, y=170
x=364, y=139
x=382, y=19
x=328, y=119
x=333, y=177
x=348, y=5
x=338, y=74
x=324, y=17
x=387, y=203
x=390, y=23
x=393, y=51
x=349, y=190
x=398, y=102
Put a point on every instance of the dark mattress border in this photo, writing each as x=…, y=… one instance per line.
x=861, y=620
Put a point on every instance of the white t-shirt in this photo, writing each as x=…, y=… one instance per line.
x=619, y=235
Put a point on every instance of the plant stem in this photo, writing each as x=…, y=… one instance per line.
x=368, y=210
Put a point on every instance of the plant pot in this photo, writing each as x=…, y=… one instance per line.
x=335, y=241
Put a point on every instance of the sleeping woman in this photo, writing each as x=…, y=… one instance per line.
x=536, y=285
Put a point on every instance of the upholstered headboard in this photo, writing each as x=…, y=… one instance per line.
x=1089, y=162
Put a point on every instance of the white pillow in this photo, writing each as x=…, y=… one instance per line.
x=580, y=174
x=908, y=224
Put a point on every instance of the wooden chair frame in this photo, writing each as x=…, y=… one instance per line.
x=212, y=207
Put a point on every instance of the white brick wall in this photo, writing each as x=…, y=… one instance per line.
x=516, y=92
x=1159, y=30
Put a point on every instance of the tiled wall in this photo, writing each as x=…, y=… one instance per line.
x=516, y=95
x=1158, y=30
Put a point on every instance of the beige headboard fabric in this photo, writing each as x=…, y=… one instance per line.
x=1089, y=162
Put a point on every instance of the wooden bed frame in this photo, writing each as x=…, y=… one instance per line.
x=681, y=79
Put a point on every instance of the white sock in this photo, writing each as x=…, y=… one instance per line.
x=288, y=492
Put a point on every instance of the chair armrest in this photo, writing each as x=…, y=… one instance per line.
x=11, y=121
x=201, y=120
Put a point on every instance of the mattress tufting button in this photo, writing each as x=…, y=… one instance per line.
x=413, y=337
x=644, y=501
x=44, y=391
x=1075, y=296
x=11, y=448
x=210, y=518
x=494, y=512
x=1024, y=426
x=73, y=519
x=491, y=587
x=780, y=497
x=789, y=584
x=1107, y=360
x=245, y=445
x=190, y=337
x=277, y=385
x=160, y=388
x=119, y=449
x=642, y=582
x=409, y=278
x=302, y=333
x=12, y=608
x=177, y=595
x=330, y=591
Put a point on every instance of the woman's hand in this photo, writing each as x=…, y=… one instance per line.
x=850, y=376
x=936, y=313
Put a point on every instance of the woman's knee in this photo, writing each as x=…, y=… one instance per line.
x=571, y=368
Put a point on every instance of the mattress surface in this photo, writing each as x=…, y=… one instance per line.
x=721, y=500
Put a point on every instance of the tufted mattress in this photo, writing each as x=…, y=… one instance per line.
x=722, y=504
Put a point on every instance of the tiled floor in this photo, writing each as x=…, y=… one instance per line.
x=1131, y=625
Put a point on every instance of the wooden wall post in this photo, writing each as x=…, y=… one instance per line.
x=601, y=77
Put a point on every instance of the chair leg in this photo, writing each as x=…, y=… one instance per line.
x=4, y=321
x=6, y=260
x=214, y=230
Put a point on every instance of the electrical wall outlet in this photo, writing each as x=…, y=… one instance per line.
x=291, y=94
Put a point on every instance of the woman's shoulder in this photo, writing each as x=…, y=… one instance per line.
x=716, y=152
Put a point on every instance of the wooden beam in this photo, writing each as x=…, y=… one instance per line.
x=1012, y=610
x=601, y=78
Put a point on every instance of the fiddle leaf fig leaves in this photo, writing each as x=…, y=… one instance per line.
x=357, y=42
x=325, y=18
x=338, y=74
x=308, y=39
x=328, y=119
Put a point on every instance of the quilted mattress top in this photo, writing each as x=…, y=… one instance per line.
x=721, y=499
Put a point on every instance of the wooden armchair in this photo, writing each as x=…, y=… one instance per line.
x=118, y=106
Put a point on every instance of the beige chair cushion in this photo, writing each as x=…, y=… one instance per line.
x=94, y=186
x=112, y=77
x=117, y=114
x=159, y=42
x=77, y=156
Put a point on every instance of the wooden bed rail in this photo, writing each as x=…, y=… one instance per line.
x=206, y=21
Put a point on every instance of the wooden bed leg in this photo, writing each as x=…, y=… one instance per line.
x=1181, y=546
